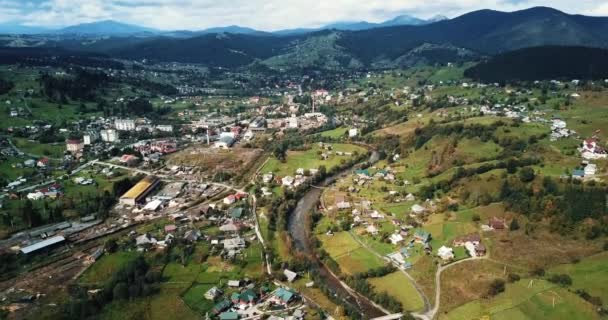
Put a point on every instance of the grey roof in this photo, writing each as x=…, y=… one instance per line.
x=42, y=244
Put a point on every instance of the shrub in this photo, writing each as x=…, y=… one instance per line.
x=513, y=277
x=497, y=286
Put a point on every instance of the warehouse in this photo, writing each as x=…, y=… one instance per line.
x=140, y=191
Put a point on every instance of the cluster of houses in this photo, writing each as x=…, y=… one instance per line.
x=51, y=191
x=247, y=300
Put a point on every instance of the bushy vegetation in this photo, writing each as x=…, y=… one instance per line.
x=134, y=280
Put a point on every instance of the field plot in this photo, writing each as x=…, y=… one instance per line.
x=208, y=160
x=104, y=268
x=398, y=285
x=525, y=300
x=335, y=133
x=349, y=254
x=589, y=274
x=309, y=159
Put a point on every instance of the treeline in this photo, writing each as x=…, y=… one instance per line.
x=82, y=86
x=54, y=57
x=6, y=86
x=512, y=164
x=134, y=280
x=566, y=201
x=483, y=132
x=28, y=213
x=152, y=86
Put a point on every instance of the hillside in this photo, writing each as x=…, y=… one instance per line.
x=543, y=63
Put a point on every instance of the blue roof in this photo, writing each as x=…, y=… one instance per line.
x=578, y=173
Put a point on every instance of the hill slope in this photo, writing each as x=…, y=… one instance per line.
x=543, y=63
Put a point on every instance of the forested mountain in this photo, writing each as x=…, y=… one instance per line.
x=542, y=63
x=484, y=32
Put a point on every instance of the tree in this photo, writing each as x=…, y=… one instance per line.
x=526, y=174
x=120, y=291
x=563, y=280
x=514, y=225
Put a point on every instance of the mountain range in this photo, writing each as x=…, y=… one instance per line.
x=113, y=28
x=465, y=38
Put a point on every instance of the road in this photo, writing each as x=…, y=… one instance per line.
x=429, y=315
x=425, y=299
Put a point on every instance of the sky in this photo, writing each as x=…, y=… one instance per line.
x=267, y=15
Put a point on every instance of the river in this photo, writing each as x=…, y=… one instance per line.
x=296, y=226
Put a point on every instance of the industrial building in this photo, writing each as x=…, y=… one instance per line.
x=140, y=191
x=44, y=244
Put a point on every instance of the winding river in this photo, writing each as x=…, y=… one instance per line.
x=296, y=225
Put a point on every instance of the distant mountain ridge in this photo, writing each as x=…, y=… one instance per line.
x=112, y=28
x=106, y=27
x=479, y=33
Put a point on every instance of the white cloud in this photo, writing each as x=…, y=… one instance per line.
x=260, y=14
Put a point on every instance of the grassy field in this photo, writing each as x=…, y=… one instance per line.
x=103, y=269
x=335, y=133
x=164, y=305
x=349, y=254
x=525, y=300
x=35, y=148
x=589, y=274
x=194, y=298
x=398, y=285
x=308, y=159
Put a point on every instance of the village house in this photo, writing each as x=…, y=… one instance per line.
x=234, y=243
x=282, y=296
x=421, y=236
x=74, y=146
x=396, y=238
x=290, y=275
x=496, y=223
x=418, y=209
x=213, y=293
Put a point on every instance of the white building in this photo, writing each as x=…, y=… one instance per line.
x=445, y=253
x=353, y=132
x=109, y=135
x=90, y=138
x=396, y=238
x=164, y=127
x=124, y=124
x=292, y=122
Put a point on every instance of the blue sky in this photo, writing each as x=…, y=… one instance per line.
x=260, y=14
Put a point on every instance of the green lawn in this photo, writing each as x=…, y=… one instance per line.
x=104, y=268
x=398, y=285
